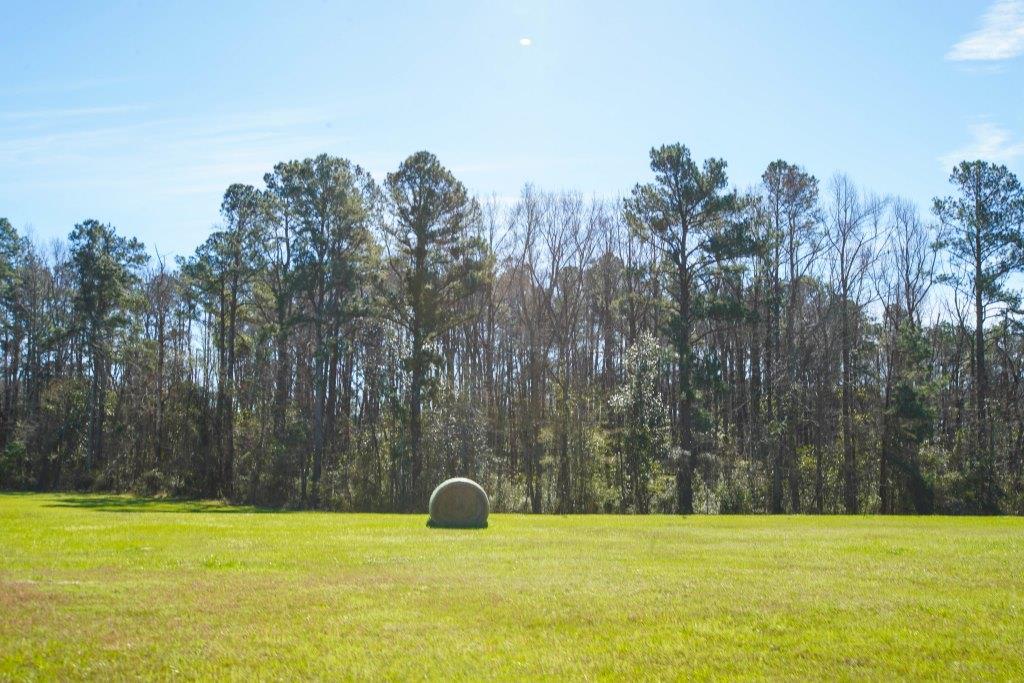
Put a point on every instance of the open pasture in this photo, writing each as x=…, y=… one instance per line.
x=111, y=587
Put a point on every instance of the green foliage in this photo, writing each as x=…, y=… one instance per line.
x=455, y=432
x=437, y=263
x=644, y=435
x=700, y=227
x=438, y=259
x=734, y=497
x=11, y=249
x=683, y=196
x=984, y=235
x=105, y=266
x=15, y=472
x=335, y=344
x=984, y=224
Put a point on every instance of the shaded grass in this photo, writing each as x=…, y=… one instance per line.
x=118, y=503
x=193, y=592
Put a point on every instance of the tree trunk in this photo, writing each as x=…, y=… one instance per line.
x=849, y=448
x=415, y=423
x=228, y=472
x=684, y=476
x=97, y=400
x=281, y=384
x=984, y=453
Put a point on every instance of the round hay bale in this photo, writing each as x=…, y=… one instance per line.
x=458, y=503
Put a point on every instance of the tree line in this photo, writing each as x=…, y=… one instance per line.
x=343, y=343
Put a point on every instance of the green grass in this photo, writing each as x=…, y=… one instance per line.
x=110, y=587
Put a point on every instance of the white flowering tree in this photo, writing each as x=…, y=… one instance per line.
x=644, y=436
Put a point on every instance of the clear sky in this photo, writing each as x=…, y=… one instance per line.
x=142, y=113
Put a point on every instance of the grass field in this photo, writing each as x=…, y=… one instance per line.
x=109, y=587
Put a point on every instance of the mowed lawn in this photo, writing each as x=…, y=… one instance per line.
x=109, y=587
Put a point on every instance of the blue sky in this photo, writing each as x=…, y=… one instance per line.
x=142, y=113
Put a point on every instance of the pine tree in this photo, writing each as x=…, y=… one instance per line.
x=688, y=214
x=437, y=262
x=984, y=224
x=105, y=267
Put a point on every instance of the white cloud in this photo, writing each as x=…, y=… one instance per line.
x=163, y=156
x=990, y=142
x=1001, y=35
x=66, y=86
x=43, y=115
